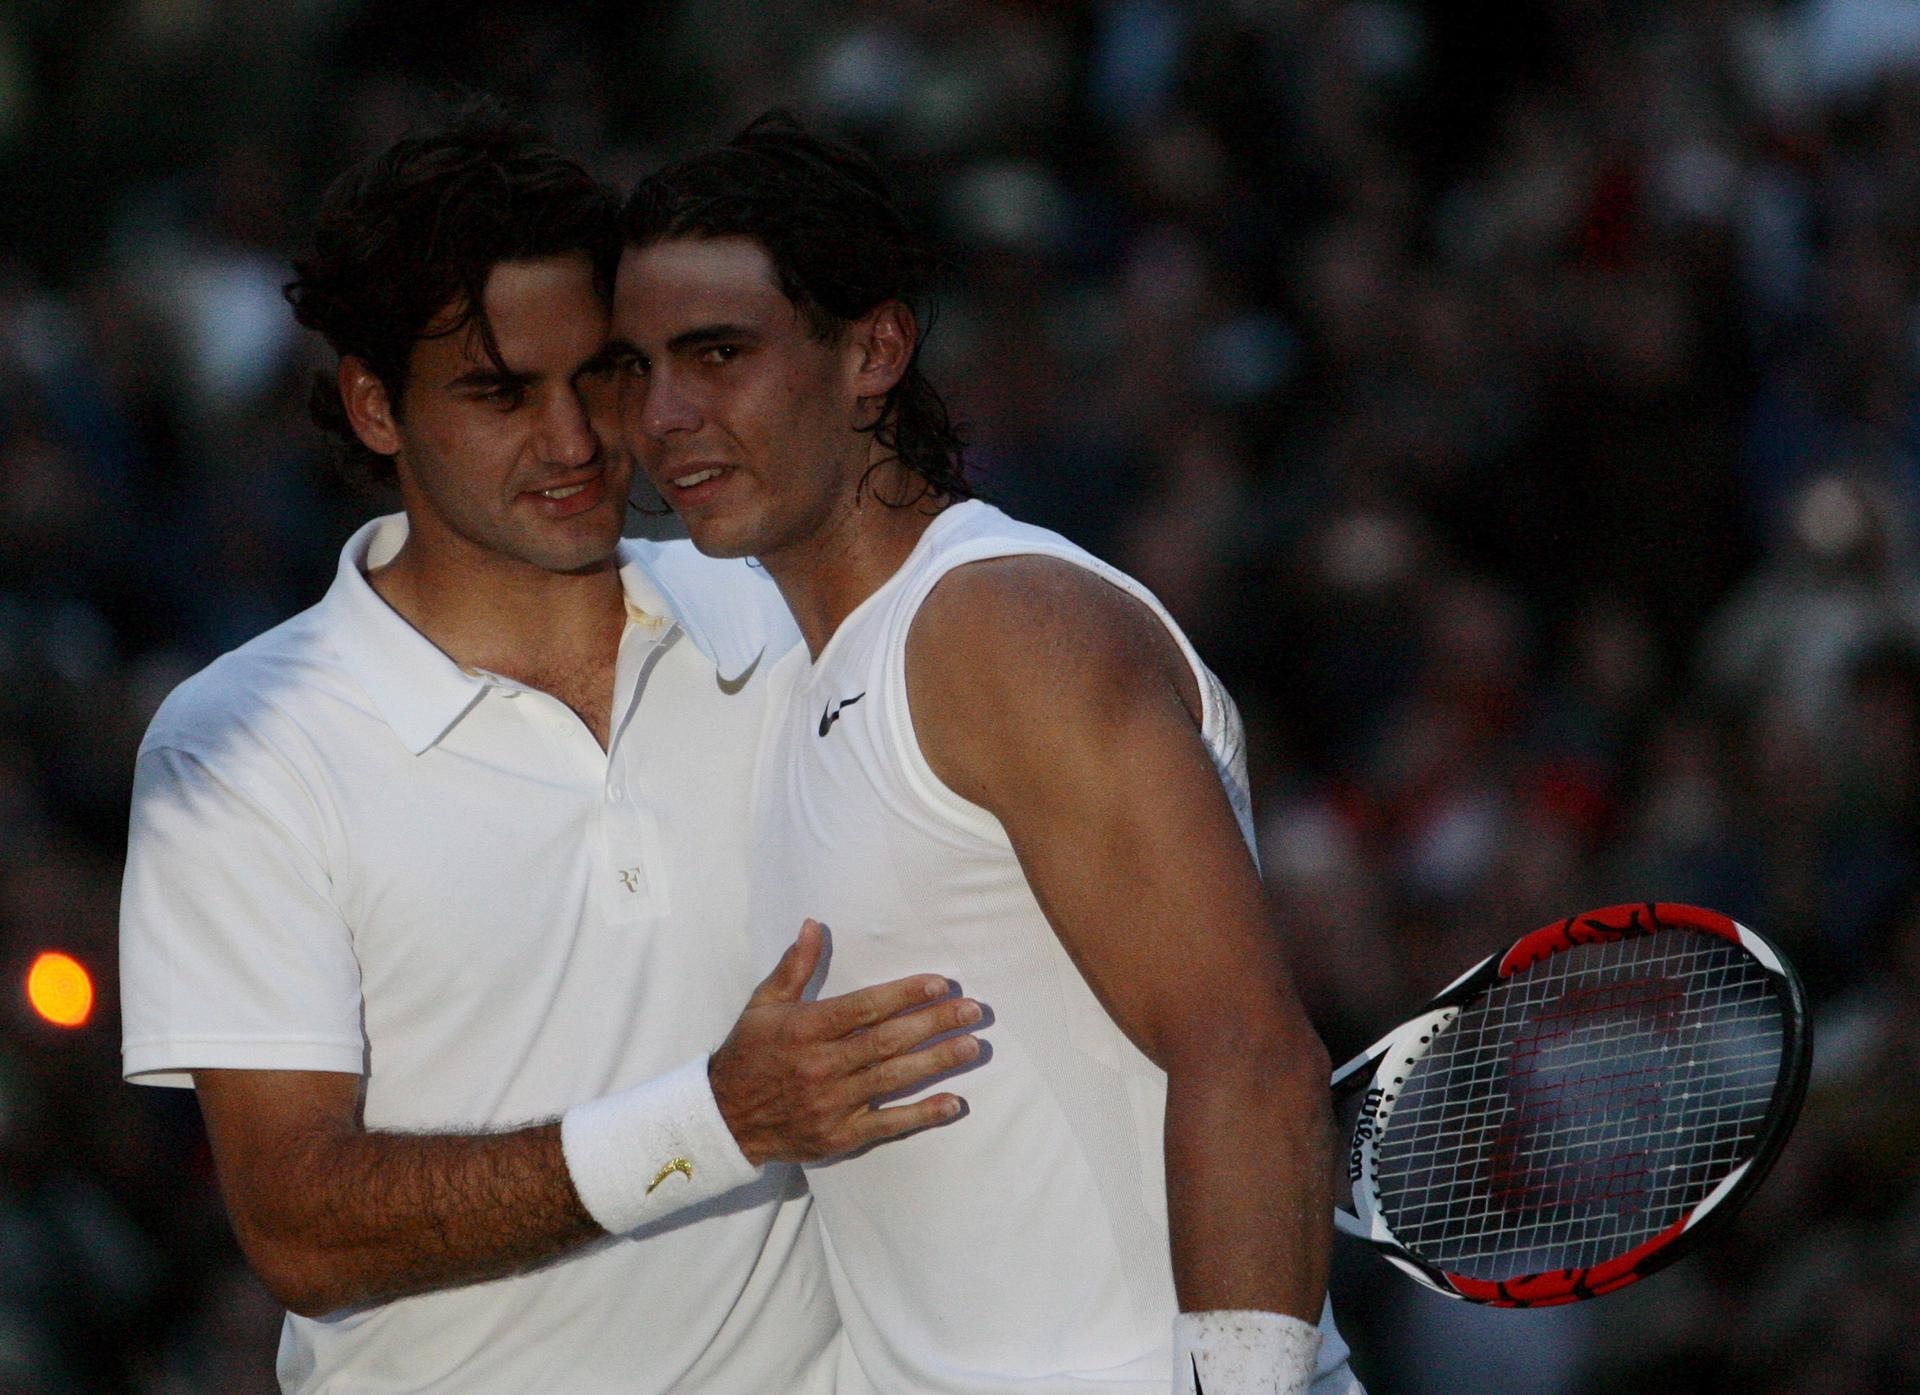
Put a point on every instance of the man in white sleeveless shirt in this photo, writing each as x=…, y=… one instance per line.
x=435, y=894
x=994, y=749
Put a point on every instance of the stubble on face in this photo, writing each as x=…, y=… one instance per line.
x=511, y=466
x=739, y=412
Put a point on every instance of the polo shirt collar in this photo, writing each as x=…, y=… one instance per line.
x=418, y=690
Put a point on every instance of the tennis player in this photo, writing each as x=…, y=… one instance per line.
x=435, y=892
x=997, y=751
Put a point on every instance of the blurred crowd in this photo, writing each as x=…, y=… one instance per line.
x=1517, y=405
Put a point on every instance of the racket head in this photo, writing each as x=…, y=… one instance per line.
x=1578, y=1111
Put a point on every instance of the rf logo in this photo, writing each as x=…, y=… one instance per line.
x=630, y=878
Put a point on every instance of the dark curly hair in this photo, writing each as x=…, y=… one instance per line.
x=840, y=245
x=405, y=241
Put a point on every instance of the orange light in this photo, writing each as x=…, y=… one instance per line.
x=60, y=990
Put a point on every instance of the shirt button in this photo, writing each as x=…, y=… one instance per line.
x=614, y=794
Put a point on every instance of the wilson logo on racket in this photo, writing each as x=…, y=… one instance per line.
x=1573, y=1114
x=1363, y=1132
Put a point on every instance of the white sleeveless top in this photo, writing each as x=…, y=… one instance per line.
x=1025, y=1246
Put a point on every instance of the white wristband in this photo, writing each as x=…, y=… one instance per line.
x=1234, y=1351
x=649, y=1151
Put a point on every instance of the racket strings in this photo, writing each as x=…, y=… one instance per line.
x=1581, y=1107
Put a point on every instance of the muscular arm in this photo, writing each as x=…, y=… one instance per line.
x=1061, y=705
x=331, y=1214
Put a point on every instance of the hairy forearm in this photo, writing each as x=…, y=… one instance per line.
x=1249, y=1180
x=358, y=1217
x=333, y=1215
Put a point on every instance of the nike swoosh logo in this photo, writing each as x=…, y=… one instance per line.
x=730, y=686
x=679, y=1165
x=1198, y=1389
x=831, y=714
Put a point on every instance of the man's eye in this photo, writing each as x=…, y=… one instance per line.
x=720, y=353
x=618, y=364
x=506, y=397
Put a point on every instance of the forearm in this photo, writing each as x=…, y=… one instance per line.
x=1249, y=1178
x=333, y=1215
x=371, y=1216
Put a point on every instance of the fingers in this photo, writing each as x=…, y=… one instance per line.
x=791, y=975
x=901, y=1034
x=866, y=1007
x=877, y=1125
x=800, y=1081
x=900, y=1073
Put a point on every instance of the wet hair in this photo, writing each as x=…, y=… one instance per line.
x=840, y=245
x=406, y=239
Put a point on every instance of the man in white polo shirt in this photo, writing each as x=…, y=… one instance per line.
x=435, y=892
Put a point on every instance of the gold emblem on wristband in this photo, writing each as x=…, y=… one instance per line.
x=680, y=1165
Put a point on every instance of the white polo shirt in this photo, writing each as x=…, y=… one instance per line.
x=349, y=854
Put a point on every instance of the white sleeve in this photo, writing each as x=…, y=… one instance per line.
x=232, y=953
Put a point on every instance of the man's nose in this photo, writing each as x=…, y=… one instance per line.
x=568, y=435
x=665, y=408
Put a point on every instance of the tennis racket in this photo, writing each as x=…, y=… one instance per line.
x=1576, y=1112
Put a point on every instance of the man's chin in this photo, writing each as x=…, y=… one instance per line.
x=589, y=566
x=714, y=540
x=588, y=551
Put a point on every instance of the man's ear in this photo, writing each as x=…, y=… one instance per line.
x=369, y=411
x=885, y=337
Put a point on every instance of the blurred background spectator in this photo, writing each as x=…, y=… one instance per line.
x=1520, y=410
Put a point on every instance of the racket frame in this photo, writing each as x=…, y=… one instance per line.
x=1382, y=1068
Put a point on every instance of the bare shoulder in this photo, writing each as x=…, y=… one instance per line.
x=1028, y=620
x=1015, y=664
